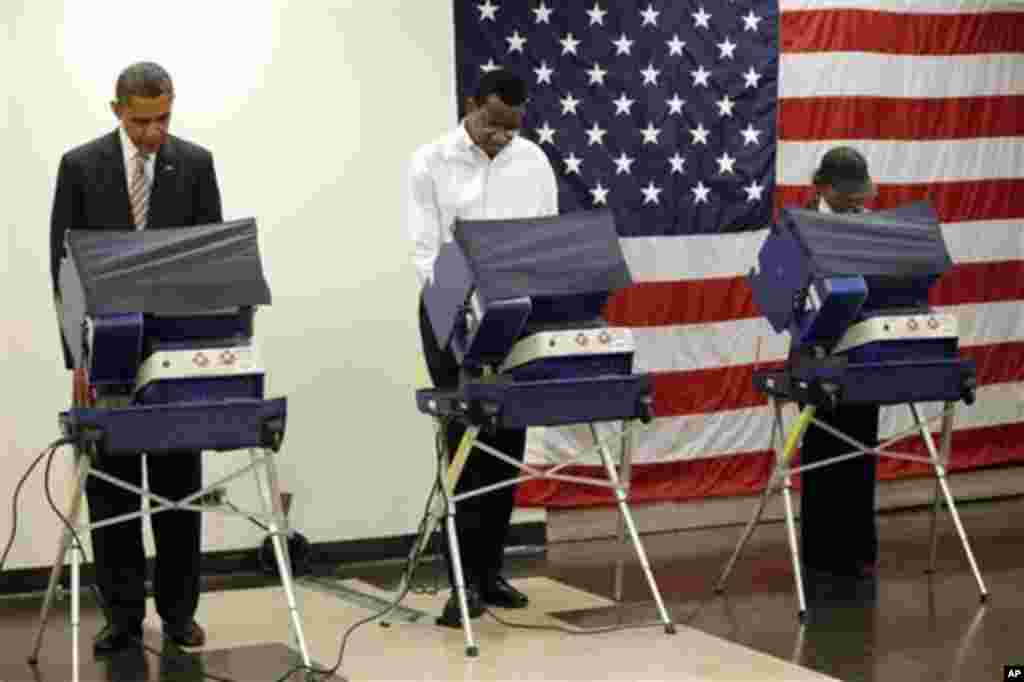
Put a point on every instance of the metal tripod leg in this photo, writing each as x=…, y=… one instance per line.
x=277, y=525
x=947, y=439
x=626, y=476
x=781, y=477
x=620, y=496
x=66, y=539
x=448, y=492
x=940, y=472
x=761, y=503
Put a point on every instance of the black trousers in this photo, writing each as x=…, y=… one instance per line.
x=837, y=502
x=118, y=550
x=481, y=522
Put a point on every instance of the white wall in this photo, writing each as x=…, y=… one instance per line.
x=312, y=110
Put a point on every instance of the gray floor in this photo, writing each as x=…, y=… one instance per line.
x=906, y=625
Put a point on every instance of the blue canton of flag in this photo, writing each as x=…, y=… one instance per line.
x=663, y=111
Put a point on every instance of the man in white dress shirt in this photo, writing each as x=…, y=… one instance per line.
x=481, y=170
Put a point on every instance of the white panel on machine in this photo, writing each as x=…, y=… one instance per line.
x=570, y=343
x=199, y=363
x=899, y=328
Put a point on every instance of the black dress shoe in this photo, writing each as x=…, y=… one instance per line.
x=451, y=617
x=187, y=636
x=113, y=638
x=499, y=593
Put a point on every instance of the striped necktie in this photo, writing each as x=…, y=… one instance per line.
x=140, y=192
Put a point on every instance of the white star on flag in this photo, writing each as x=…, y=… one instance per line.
x=569, y=104
x=725, y=164
x=651, y=193
x=650, y=16
x=751, y=77
x=487, y=10
x=753, y=191
x=597, y=75
x=750, y=135
x=650, y=134
x=650, y=75
x=569, y=44
x=623, y=45
x=544, y=73
x=726, y=47
x=675, y=46
x=597, y=15
x=700, y=134
x=572, y=164
x=751, y=21
x=543, y=14
x=675, y=105
x=600, y=194
x=546, y=133
x=596, y=135
x=623, y=164
x=700, y=18
x=677, y=162
x=515, y=42
x=700, y=76
x=700, y=193
x=490, y=66
x=623, y=105
x=725, y=106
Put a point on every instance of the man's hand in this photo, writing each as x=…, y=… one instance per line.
x=81, y=392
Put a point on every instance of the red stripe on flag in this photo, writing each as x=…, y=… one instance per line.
x=956, y=202
x=719, y=389
x=890, y=118
x=659, y=304
x=748, y=473
x=854, y=30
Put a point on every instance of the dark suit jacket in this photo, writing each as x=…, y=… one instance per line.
x=92, y=194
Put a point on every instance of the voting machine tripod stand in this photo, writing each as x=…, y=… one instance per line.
x=446, y=507
x=785, y=446
x=261, y=464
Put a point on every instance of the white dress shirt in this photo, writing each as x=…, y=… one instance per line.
x=129, y=150
x=452, y=178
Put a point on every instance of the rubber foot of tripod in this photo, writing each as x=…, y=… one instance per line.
x=385, y=624
x=670, y=628
x=802, y=616
x=472, y=651
x=32, y=660
x=984, y=597
x=719, y=589
x=929, y=571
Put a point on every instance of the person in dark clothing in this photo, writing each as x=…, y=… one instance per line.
x=837, y=504
x=138, y=177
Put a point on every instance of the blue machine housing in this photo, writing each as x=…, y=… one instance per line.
x=820, y=273
x=499, y=281
x=128, y=295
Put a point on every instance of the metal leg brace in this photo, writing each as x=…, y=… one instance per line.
x=450, y=500
x=780, y=480
x=273, y=515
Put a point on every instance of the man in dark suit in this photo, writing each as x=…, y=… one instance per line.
x=837, y=501
x=139, y=177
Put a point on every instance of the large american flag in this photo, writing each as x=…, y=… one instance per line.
x=693, y=120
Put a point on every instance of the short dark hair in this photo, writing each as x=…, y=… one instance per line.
x=143, y=79
x=510, y=88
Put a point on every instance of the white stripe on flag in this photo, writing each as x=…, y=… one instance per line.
x=858, y=74
x=670, y=259
x=905, y=162
x=723, y=434
x=680, y=348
